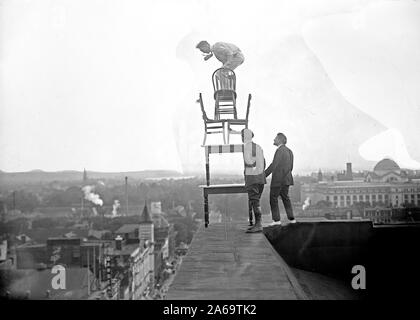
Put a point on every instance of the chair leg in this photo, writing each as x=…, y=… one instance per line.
x=228, y=133
x=224, y=134
x=205, y=137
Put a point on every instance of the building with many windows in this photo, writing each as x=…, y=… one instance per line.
x=118, y=269
x=387, y=185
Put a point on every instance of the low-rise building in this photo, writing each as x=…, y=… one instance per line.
x=122, y=268
x=378, y=214
x=38, y=285
x=163, y=236
x=3, y=250
x=31, y=256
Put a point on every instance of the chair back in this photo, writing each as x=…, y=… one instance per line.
x=247, y=109
x=203, y=111
x=224, y=79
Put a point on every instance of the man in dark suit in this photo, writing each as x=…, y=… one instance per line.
x=282, y=178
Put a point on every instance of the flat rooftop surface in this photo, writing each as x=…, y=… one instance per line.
x=229, y=185
x=225, y=263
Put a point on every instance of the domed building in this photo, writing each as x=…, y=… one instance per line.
x=386, y=170
x=386, y=165
x=387, y=186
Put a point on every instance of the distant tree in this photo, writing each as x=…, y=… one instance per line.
x=16, y=226
x=22, y=200
x=322, y=204
x=44, y=223
x=64, y=198
x=361, y=206
x=73, y=195
x=379, y=204
x=3, y=229
x=56, y=199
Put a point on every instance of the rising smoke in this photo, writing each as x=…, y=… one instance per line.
x=306, y=203
x=115, y=207
x=92, y=197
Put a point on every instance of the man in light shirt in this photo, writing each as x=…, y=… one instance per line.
x=227, y=53
x=254, y=176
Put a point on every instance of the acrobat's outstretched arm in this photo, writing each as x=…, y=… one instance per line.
x=207, y=57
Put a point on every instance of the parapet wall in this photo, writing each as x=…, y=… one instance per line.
x=328, y=247
x=389, y=253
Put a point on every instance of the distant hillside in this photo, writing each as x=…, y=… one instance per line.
x=39, y=176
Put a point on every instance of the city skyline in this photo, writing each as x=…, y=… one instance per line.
x=200, y=171
x=180, y=174
x=89, y=88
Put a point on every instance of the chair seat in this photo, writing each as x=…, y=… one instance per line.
x=216, y=121
x=237, y=121
x=225, y=94
x=216, y=127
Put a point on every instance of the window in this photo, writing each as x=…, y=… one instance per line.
x=354, y=198
x=327, y=198
x=76, y=252
x=380, y=197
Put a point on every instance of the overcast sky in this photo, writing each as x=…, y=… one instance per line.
x=111, y=85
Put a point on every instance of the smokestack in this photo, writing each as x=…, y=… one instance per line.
x=118, y=243
x=126, y=196
x=349, y=172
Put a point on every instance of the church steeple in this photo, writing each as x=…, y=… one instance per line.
x=146, y=227
x=320, y=177
x=145, y=216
